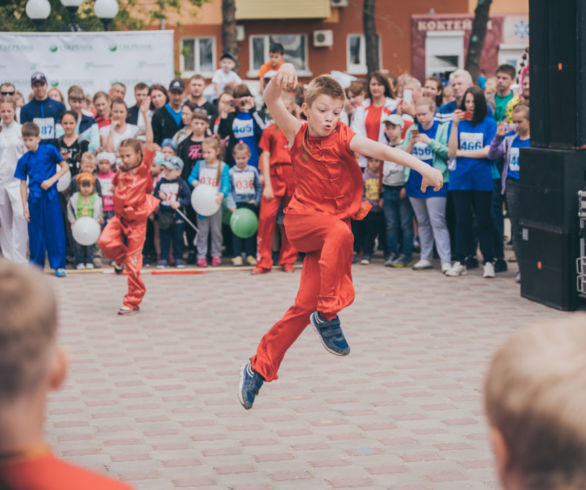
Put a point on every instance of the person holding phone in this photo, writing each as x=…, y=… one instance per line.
x=428, y=141
x=471, y=181
x=244, y=124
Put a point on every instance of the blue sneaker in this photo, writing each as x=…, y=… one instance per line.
x=250, y=383
x=60, y=273
x=331, y=334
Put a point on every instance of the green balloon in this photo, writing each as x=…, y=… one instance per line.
x=243, y=223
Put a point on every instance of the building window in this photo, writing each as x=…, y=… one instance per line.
x=198, y=55
x=511, y=54
x=295, y=46
x=444, y=52
x=356, y=54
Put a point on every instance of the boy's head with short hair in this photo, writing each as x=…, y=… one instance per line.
x=276, y=54
x=30, y=135
x=168, y=148
x=199, y=123
x=29, y=359
x=88, y=162
x=393, y=127
x=535, y=399
x=324, y=101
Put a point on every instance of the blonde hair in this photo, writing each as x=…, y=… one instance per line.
x=28, y=326
x=425, y=101
x=217, y=144
x=88, y=156
x=522, y=107
x=326, y=85
x=535, y=396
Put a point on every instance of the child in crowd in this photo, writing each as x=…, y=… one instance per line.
x=168, y=148
x=87, y=127
x=428, y=141
x=41, y=206
x=13, y=226
x=225, y=74
x=119, y=129
x=279, y=183
x=398, y=213
x=31, y=365
x=70, y=144
x=101, y=102
x=244, y=124
x=245, y=190
x=356, y=95
x=374, y=221
x=88, y=164
x=104, y=177
x=211, y=171
x=508, y=147
x=190, y=149
x=276, y=55
x=123, y=238
x=185, y=131
x=534, y=399
x=84, y=203
x=328, y=192
x=174, y=194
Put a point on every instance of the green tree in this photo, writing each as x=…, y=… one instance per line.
x=370, y=35
x=131, y=15
x=477, y=36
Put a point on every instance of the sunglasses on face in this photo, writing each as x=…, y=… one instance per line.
x=7, y=93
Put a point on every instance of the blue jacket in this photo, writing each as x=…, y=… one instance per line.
x=46, y=114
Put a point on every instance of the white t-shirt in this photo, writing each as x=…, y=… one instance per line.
x=130, y=132
x=222, y=78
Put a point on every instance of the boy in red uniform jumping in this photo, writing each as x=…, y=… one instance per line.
x=123, y=238
x=278, y=189
x=328, y=192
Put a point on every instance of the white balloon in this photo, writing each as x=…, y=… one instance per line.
x=86, y=231
x=203, y=199
x=63, y=182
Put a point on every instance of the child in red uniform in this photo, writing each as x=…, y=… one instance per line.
x=31, y=365
x=278, y=189
x=328, y=192
x=123, y=238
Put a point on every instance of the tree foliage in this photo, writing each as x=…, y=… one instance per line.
x=131, y=15
x=476, y=43
x=370, y=36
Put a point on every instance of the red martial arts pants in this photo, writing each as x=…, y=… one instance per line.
x=325, y=286
x=282, y=183
x=122, y=242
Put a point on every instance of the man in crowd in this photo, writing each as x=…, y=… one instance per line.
x=167, y=120
x=42, y=110
x=117, y=91
x=196, y=87
x=141, y=92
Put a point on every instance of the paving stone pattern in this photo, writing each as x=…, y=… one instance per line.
x=151, y=398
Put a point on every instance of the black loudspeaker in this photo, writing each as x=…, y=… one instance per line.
x=550, y=181
x=548, y=268
x=548, y=211
x=557, y=64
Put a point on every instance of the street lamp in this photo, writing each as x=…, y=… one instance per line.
x=72, y=6
x=38, y=11
x=106, y=10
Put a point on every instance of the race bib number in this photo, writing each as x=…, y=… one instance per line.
x=171, y=191
x=243, y=183
x=471, y=141
x=423, y=152
x=243, y=128
x=207, y=176
x=46, y=127
x=514, y=159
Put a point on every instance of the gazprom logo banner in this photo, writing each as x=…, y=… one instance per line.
x=91, y=59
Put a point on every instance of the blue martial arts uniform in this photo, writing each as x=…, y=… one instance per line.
x=45, y=229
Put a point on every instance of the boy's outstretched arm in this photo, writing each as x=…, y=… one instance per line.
x=285, y=79
x=430, y=177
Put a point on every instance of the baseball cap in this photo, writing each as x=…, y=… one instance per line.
x=170, y=143
x=38, y=77
x=394, y=119
x=173, y=163
x=177, y=85
x=229, y=56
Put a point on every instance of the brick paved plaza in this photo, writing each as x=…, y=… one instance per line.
x=151, y=398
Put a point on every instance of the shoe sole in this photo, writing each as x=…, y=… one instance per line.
x=240, y=385
x=339, y=354
x=426, y=268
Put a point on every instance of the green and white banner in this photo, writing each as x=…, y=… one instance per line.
x=93, y=60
